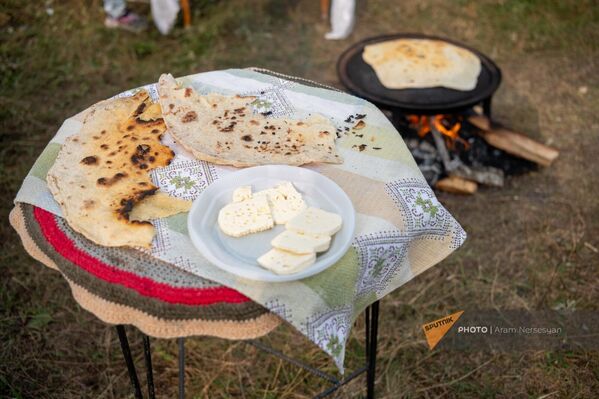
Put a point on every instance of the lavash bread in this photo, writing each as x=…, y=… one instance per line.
x=422, y=63
x=226, y=130
x=159, y=205
x=103, y=171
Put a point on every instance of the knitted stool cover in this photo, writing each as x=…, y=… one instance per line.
x=128, y=286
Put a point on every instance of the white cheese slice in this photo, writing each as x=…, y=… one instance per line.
x=284, y=200
x=300, y=243
x=283, y=262
x=242, y=193
x=314, y=221
x=242, y=218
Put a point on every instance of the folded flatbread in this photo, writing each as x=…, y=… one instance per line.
x=159, y=205
x=422, y=63
x=227, y=130
x=102, y=172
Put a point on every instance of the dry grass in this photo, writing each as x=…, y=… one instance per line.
x=530, y=244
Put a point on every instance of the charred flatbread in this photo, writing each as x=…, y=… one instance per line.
x=102, y=172
x=422, y=63
x=227, y=130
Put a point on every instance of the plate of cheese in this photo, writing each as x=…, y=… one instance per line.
x=272, y=223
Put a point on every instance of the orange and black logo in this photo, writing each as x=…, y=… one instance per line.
x=435, y=330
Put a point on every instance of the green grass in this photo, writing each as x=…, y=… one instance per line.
x=545, y=25
x=528, y=243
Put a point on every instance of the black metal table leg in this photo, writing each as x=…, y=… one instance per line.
x=149, y=371
x=371, y=318
x=487, y=107
x=120, y=329
x=181, y=367
x=397, y=117
x=367, y=326
x=371, y=349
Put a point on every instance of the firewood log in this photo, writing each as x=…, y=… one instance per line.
x=514, y=143
x=457, y=185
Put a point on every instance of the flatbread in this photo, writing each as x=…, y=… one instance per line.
x=159, y=205
x=422, y=63
x=226, y=130
x=103, y=171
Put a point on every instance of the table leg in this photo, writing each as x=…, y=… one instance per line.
x=371, y=316
x=367, y=323
x=181, y=367
x=397, y=118
x=487, y=107
x=120, y=329
x=372, y=333
x=149, y=371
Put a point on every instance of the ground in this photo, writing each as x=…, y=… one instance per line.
x=533, y=244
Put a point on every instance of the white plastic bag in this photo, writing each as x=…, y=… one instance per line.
x=342, y=19
x=164, y=14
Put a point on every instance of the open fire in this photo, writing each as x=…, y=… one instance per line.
x=448, y=125
x=458, y=152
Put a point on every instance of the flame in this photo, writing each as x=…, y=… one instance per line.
x=450, y=132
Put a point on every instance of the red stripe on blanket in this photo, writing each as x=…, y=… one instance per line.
x=143, y=285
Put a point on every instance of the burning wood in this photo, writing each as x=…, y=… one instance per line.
x=463, y=155
x=455, y=167
x=440, y=144
x=514, y=143
x=443, y=124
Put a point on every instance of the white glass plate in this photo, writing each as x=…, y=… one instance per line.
x=238, y=255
